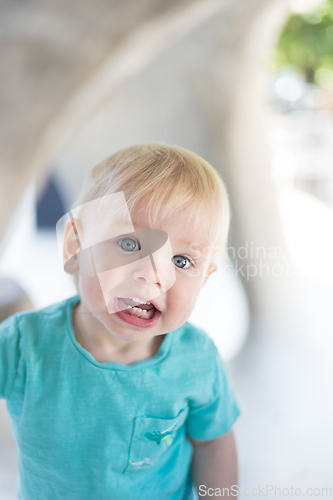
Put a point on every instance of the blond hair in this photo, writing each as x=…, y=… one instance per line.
x=169, y=179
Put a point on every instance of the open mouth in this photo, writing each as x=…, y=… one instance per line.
x=143, y=314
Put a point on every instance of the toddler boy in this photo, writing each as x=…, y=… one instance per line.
x=112, y=394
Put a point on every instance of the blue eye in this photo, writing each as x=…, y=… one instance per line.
x=180, y=261
x=129, y=244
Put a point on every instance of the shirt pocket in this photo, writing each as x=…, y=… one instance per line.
x=151, y=437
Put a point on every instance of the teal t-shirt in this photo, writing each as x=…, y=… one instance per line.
x=98, y=431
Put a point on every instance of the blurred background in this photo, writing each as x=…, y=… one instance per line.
x=248, y=85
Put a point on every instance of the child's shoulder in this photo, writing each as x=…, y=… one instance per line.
x=51, y=316
x=28, y=335
x=53, y=310
x=195, y=343
x=196, y=336
x=195, y=354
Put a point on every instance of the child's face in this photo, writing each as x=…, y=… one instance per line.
x=172, y=284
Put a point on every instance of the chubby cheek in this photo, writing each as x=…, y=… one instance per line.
x=181, y=303
x=91, y=294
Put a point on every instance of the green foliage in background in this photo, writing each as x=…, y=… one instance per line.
x=306, y=44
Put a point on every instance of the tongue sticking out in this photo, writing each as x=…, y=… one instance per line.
x=143, y=311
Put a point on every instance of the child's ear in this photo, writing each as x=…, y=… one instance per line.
x=71, y=247
x=211, y=269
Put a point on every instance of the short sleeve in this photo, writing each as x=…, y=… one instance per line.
x=217, y=409
x=9, y=355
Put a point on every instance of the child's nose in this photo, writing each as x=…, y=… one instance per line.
x=144, y=271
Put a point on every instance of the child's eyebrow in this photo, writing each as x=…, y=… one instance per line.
x=195, y=247
x=123, y=228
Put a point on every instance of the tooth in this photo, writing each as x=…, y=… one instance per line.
x=129, y=307
x=137, y=309
x=137, y=300
x=144, y=311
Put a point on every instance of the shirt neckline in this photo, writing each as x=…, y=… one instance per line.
x=114, y=365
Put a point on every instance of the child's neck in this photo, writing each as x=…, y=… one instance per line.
x=105, y=348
